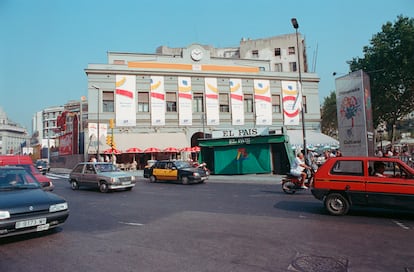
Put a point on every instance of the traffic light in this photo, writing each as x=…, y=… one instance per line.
x=109, y=140
x=111, y=123
x=113, y=146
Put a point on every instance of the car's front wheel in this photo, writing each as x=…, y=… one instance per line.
x=103, y=187
x=74, y=185
x=337, y=204
x=152, y=178
x=184, y=180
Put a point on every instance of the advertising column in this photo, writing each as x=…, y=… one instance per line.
x=355, y=127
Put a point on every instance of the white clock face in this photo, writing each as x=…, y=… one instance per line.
x=196, y=54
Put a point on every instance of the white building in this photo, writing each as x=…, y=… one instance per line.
x=144, y=92
x=12, y=136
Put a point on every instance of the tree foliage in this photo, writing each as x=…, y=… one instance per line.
x=389, y=61
x=329, y=120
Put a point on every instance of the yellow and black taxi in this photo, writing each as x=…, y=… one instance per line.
x=343, y=182
x=178, y=171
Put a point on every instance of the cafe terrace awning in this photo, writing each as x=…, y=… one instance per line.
x=313, y=138
x=145, y=140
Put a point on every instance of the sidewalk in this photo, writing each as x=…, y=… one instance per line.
x=243, y=179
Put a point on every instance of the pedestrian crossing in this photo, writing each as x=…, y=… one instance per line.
x=57, y=176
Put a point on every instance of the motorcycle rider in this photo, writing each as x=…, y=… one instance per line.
x=298, y=167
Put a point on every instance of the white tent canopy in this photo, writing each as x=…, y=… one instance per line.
x=313, y=138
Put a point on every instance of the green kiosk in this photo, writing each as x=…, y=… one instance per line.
x=246, y=151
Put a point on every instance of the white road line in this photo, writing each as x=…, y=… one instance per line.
x=131, y=223
x=400, y=224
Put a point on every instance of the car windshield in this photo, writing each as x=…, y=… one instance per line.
x=182, y=164
x=14, y=179
x=106, y=167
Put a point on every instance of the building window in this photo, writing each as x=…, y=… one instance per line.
x=292, y=67
x=291, y=50
x=261, y=68
x=171, y=102
x=248, y=103
x=277, y=52
x=198, y=102
x=224, y=103
x=278, y=67
x=108, y=102
x=143, y=102
x=305, y=107
x=255, y=53
x=276, y=103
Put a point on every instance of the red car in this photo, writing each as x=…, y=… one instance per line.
x=27, y=163
x=364, y=181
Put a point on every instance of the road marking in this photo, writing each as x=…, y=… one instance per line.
x=401, y=224
x=131, y=223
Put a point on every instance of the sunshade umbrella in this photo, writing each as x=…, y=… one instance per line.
x=171, y=149
x=186, y=149
x=195, y=149
x=134, y=150
x=112, y=151
x=152, y=150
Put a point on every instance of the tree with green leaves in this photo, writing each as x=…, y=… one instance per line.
x=329, y=120
x=389, y=61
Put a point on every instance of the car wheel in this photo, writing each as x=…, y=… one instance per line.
x=103, y=187
x=184, y=180
x=152, y=179
x=74, y=185
x=337, y=204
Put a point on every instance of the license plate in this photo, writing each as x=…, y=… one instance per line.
x=42, y=227
x=30, y=223
x=126, y=183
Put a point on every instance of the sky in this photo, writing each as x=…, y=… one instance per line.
x=46, y=45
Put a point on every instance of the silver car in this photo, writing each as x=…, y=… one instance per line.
x=102, y=175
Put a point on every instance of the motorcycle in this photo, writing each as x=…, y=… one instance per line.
x=291, y=184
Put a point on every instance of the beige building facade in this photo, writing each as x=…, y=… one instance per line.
x=157, y=113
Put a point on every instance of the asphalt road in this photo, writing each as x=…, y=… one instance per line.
x=217, y=226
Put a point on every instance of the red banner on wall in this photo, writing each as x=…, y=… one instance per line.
x=65, y=144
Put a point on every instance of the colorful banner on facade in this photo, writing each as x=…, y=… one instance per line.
x=125, y=98
x=158, y=103
x=212, y=101
x=237, y=106
x=185, y=100
x=263, y=102
x=291, y=102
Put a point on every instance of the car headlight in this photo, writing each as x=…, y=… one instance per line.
x=58, y=207
x=196, y=174
x=132, y=177
x=4, y=214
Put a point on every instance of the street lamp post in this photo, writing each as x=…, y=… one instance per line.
x=296, y=26
x=98, y=121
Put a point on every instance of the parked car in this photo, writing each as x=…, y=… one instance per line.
x=345, y=181
x=103, y=175
x=178, y=171
x=24, y=206
x=42, y=166
x=27, y=162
